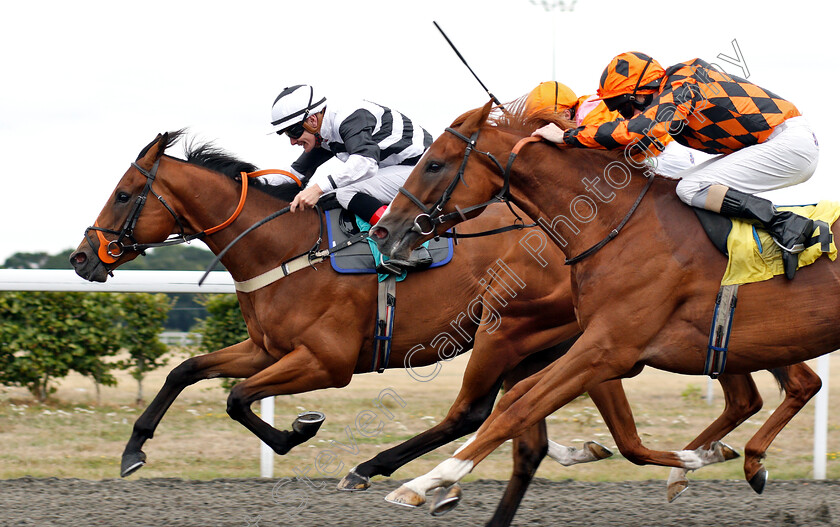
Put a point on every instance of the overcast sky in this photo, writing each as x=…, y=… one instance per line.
x=85, y=85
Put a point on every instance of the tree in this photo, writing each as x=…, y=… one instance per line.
x=38, y=260
x=174, y=258
x=186, y=311
x=223, y=326
x=141, y=322
x=46, y=335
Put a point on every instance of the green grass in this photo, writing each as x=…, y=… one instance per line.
x=73, y=437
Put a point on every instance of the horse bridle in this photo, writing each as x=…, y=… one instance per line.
x=433, y=215
x=435, y=218
x=111, y=250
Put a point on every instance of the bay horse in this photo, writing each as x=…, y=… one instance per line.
x=320, y=342
x=325, y=336
x=643, y=290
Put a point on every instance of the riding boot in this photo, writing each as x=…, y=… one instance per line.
x=371, y=210
x=790, y=231
x=420, y=258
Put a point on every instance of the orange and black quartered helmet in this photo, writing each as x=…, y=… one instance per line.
x=626, y=76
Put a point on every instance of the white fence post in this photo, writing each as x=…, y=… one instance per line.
x=266, y=453
x=821, y=419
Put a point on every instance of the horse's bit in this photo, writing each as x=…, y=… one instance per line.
x=432, y=217
x=111, y=250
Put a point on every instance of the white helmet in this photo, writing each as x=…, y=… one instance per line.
x=294, y=105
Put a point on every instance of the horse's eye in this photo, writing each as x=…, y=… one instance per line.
x=434, y=167
x=123, y=197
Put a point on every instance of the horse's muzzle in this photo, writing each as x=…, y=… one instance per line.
x=379, y=233
x=88, y=266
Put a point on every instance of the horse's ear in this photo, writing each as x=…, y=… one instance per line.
x=153, y=151
x=474, y=120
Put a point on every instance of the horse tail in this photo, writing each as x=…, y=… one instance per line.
x=782, y=377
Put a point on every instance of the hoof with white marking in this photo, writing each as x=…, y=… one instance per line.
x=725, y=451
x=677, y=484
x=597, y=450
x=405, y=497
x=444, y=500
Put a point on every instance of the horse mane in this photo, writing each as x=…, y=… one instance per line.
x=518, y=119
x=209, y=156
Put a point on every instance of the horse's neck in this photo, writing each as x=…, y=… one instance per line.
x=573, y=196
x=206, y=199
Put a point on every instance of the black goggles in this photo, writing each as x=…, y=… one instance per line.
x=623, y=104
x=294, y=131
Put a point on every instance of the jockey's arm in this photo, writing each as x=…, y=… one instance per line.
x=362, y=162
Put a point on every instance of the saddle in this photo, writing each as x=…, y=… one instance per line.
x=753, y=255
x=362, y=258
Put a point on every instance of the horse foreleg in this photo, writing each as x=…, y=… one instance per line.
x=529, y=449
x=554, y=388
x=800, y=386
x=297, y=372
x=240, y=360
x=465, y=416
x=611, y=401
x=742, y=400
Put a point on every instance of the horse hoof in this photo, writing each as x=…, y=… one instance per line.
x=354, y=482
x=597, y=450
x=676, y=489
x=132, y=462
x=405, y=497
x=725, y=450
x=308, y=423
x=445, y=499
x=758, y=481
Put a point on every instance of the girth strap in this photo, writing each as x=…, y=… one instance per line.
x=385, y=309
x=718, y=347
x=307, y=259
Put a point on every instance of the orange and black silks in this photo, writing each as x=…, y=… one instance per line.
x=701, y=108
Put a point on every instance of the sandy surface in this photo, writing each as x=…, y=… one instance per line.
x=259, y=502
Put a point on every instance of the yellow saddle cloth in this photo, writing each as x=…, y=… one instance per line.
x=755, y=257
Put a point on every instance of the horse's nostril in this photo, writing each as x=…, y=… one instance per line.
x=78, y=258
x=379, y=233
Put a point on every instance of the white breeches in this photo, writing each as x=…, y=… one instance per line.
x=673, y=160
x=788, y=157
x=384, y=185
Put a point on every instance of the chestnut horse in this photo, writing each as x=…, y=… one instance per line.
x=320, y=341
x=643, y=297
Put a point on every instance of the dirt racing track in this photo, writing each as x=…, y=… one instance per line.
x=266, y=502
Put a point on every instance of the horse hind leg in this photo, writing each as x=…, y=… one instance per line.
x=297, y=372
x=800, y=384
x=240, y=360
x=610, y=399
x=742, y=400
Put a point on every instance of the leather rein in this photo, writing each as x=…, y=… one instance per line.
x=434, y=215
